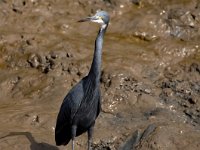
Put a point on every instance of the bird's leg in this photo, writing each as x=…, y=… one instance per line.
x=90, y=134
x=73, y=135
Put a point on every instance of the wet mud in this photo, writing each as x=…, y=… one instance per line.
x=150, y=79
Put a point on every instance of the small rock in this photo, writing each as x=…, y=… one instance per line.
x=136, y=2
x=35, y=60
x=35, y=120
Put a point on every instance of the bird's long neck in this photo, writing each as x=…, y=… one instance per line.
x=95, y=70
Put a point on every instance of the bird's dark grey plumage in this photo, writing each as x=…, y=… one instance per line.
x=82, y=104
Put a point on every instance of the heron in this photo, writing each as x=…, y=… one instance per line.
x=82, y=105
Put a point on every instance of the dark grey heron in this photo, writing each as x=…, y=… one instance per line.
x=82, y=105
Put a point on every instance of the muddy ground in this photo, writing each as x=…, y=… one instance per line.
x=150, y=73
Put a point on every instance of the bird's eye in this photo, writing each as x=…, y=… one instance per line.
x=99, y=17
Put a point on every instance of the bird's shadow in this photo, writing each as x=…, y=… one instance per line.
x=34, y=145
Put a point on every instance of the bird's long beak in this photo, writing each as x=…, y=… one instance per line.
x=85, y=19
x=93, y=19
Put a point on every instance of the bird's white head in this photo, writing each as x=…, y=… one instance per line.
x=100, y=17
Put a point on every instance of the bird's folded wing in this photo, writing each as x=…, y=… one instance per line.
x=70, y=105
